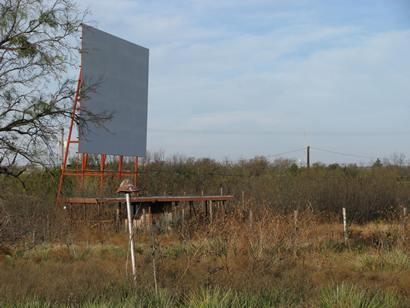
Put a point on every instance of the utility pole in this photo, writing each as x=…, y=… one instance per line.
x=308, y=156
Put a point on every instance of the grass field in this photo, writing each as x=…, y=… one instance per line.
x=229, y=263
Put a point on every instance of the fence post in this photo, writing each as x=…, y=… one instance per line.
x=205, y=205
x=250, y=218
x=345, y=231
x=295, y=219
x=210, y=211
x=183, y=207
x=154, y=268
x=243, y=200
x=295, y=232
x=150, y=219
x=144, y=220
x=117, y=217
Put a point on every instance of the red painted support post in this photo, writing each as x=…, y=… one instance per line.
x=136, y=171
x=66, y=152
x=120, y=160
x=84, y=159
x=102, y=169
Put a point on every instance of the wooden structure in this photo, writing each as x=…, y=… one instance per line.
x=148, y=209
x=82, y=168
x=149, y=200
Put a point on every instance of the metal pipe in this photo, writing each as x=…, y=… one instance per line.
x=131, y=238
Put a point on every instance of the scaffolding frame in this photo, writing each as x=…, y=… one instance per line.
x=84, y=171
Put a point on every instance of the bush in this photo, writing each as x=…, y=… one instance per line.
x=347, y=296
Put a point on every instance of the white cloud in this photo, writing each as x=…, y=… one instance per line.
x=295, y=77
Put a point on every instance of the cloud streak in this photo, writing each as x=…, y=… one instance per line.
x=263, y=66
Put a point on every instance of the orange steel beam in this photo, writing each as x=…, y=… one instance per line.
x=102, y=167
x=120, y=159
x=98, y=173
x=66, y=152
x=84, y=159
x=136, y=171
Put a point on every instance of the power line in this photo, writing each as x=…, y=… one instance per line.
x=343, y=154
x=267, y=132
x=284, y=153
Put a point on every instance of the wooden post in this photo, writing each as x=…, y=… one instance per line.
x=204, y=204
x=191, y=209
x=184, y=204
x=345, y=231
x=117, y=217
x=154, y=268
x=134, y=215
x=403, y=224
x=210, y=211
x=250, y=218
x=144, y=220
x=295, y=219
x=34, y=237
x=295, y=233
x=243, y=200
x=70, y=211
x=221, y=190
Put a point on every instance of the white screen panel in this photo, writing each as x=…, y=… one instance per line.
x=115, y=72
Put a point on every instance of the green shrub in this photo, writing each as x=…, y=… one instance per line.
x=395, y=260
x=349, y=296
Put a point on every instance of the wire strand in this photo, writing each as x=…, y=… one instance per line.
x=342, y=153
x=284, y=153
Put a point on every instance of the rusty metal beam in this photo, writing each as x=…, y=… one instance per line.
x=98, y=173
x=149, y=199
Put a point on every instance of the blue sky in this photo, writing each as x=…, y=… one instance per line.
x=234, y=79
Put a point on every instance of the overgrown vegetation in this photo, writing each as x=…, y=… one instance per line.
x=267, y=261
x=368, y=193
x=253, y=254
x=226, y=263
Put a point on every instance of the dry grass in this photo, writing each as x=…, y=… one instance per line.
x=228, y=261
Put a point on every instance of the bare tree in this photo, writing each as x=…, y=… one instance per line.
x=38, y=47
